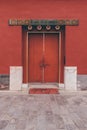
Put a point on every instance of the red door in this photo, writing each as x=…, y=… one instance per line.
x=51, y=58
x=35, y=56
x=43, y=57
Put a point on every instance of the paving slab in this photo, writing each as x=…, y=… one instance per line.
x=21, y=111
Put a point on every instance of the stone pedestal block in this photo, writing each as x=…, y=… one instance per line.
x=15, y=77
x=70, y=78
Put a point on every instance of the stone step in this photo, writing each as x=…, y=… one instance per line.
x=43, y=89
x=43, y=86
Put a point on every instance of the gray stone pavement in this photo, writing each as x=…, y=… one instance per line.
x=65, y=111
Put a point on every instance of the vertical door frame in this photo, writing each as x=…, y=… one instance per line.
x=59, y=70
x=59, y=58
x=43, y=73
x=27, y=52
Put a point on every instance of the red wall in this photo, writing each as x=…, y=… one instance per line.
x=11, y=37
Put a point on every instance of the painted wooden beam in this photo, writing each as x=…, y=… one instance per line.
x=20, y=22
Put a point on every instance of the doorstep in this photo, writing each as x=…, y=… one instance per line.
x=43, y=89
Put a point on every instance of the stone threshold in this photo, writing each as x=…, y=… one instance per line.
x=43, y=86
x=43, y=91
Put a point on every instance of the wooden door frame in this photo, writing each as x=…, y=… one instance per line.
x=59, y=58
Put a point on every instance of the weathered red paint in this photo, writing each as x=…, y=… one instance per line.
x=11, y=37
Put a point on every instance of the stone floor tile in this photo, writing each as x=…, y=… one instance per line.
x=43, y=112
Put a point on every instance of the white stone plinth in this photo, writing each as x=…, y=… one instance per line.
x=15, y=77
x=25, y=86
x=70, y=78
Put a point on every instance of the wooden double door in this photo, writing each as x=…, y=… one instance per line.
x=43, y=57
